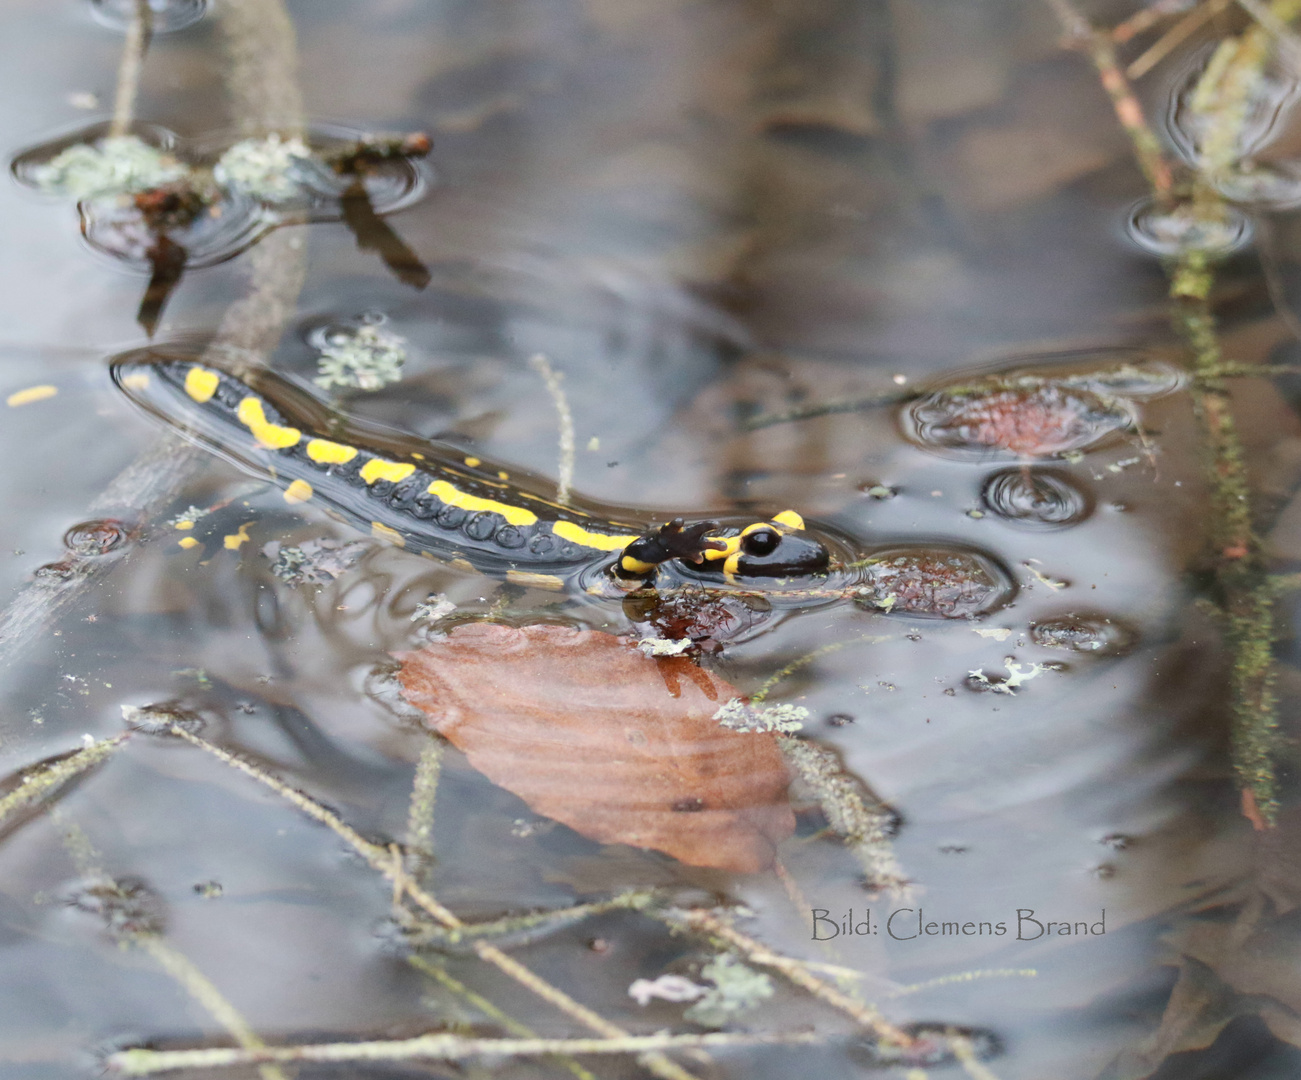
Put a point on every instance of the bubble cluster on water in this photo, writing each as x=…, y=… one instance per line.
x=1043, y=408
x=1043, y=498
x=167, y=15
x=1087, y=632
x=99, y=537
x=1170, y=231
x=939, y=582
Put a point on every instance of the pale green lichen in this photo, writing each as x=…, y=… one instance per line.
x=656, y=646
x=365, y=359
x=118, y=165
x=783, y=719
x=270, y=169
x=737, y=989
x=436, y=606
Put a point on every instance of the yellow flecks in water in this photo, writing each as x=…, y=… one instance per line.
x=516, y=515
x=473, y=462
x=537, y=581
x=593, y=444
x=235, y=540
x=418, y=457
x=32, y=393
x=137, y=380
x=183, y=525
x=462, y=564
x=790, y=519
x=324, y=452
x=379, y=469
x=272, y=436
x=297, y=492
x=382, y=532
x=576, y=534
x=502, y=475
x=201, y=384
x=188, y=542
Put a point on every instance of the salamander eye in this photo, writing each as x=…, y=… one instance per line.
x=760, y=542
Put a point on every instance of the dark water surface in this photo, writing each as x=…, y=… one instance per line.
x=701, y=213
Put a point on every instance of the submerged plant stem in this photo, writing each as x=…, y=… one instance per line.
x=138, y=32
x=565, y=470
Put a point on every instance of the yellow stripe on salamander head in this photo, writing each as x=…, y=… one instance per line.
x=324, y=452
x=452, y=496
x=379, y=469
x=201, y=384
x=576, y=534
x=272, y=436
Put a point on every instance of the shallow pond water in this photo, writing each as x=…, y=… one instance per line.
x=713, y=220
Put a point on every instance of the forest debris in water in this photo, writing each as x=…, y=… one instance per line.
x=313, y=562
x=736, y=989
x=367, y=358
x=270, y=169
x=676, y=988
x=119, y=165
x=618, y=746
x=784, y=719
x=434, y=607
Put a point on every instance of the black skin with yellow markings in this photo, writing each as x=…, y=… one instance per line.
x=429, y=497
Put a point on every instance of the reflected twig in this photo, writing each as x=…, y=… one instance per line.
x=138, y=32
x=565, y=418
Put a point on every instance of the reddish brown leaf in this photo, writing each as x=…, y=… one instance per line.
x=618, y=746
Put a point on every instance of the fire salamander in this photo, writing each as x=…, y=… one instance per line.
x=439, y=501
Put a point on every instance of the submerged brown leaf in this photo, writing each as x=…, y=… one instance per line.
x=618, y=746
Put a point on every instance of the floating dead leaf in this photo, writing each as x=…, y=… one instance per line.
x=616, y=745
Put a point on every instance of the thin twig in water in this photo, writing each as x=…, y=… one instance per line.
x=390, y=866
x=138, y=32
x=42, y=781
x=1176, y=36
x=565, y=471
x=477, y=1001
x=827, y=408
x=442, y=1048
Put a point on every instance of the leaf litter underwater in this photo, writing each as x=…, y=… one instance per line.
x=970, y=811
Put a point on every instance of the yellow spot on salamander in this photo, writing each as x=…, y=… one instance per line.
x=379, y=469
x=297, y=492
x=324, y=452
x=473, y=462
x=382, y=532
x=272, y=436
x=32, y=393
x=183, y=525
x=733, y=545
x=537, y=581
x=636, y=566
x=576, y=534
x=516, y=515
x=235, y=540
x=188, y=542
x=790, y=519
x=201, y=384
x=137, y=380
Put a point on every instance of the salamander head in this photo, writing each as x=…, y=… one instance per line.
x=770, y=549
